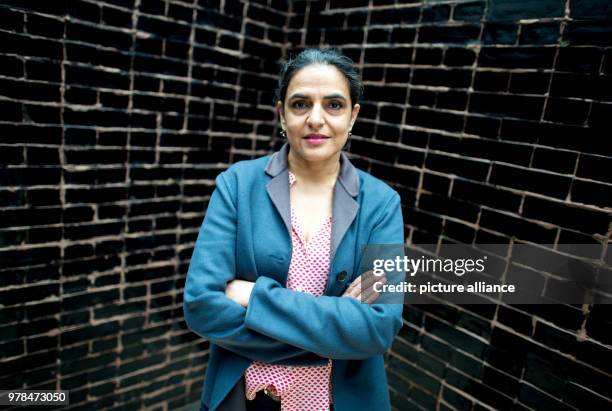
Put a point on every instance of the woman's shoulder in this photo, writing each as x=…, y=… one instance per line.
x=247, y=169
x=373, y=187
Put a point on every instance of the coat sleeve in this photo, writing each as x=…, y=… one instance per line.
x=208, y=312
x=332, y=327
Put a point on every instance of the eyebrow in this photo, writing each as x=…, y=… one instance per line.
x=329, y=96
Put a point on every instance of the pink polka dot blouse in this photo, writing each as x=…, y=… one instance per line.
x=300, y=388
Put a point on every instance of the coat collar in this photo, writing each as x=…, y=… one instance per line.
x=344, y=207
x=348, y=173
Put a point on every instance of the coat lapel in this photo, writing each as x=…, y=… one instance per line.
x=278, y=190
x=345, y=207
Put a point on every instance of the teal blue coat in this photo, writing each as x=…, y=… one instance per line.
x=246, y=235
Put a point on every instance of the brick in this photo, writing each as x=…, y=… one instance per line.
x=390, y=94
x=457, y=56
x=455, y=399
x=88, y=333
x=115, y=17
x=95, y=35
x=585, y=192
x=448, y=207
x=540, y=33
x=93, y=230
x=566, y=111
x=594, y=167
x=436, y=13
x=509, y=10
x=475, y=170
x=45, y=26
x=80, y=95
x=487, y=195
x=580, y=219
x=29, y=46
x=32, y=293
x=428, y=56
x=98, y=78
x=395, y=16
x=27, y=217
x=529, y=83
x=516, y=320
x=507, y=105
x=554, y=160
x=590, y=9
x=84, y=11
x=555, y=338
x=180, y=49
x=515, y=57
x=400, y=55
x=12, y=66
x=591, y=33
x=422, y=98
x=500, y=33
x=402, y=35
x=438, y=77
x=576, y=395
x=30, y=91
x=578, y=85
x=579, y=59
x=12, y=20
x=491, y=81
x=434, y=119
x=471, y=11
x=530, y=180
x=517, y=227
x=465, y=34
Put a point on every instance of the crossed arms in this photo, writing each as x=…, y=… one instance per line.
x=279, y=325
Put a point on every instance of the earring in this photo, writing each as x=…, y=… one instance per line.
x=283, y=133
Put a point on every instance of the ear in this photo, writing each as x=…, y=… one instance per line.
x=279, y=108
x=354, y=114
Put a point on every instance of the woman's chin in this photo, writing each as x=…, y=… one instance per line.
x=319, y=153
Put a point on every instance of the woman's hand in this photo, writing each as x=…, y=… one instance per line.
x=362, y=289
x=239, y=291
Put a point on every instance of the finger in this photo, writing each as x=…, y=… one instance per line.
x=369, y=292
x=351, y=287
x=355, y=289
x=361, y=283
x=368, y=279
x=357, y=285
x=372, y=298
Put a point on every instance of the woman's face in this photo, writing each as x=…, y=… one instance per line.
x=317, y=113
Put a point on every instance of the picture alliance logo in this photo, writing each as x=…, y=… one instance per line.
x=412, y=266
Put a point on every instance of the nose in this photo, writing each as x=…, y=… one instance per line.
x=315, y=119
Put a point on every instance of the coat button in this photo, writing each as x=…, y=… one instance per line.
x=342, y=276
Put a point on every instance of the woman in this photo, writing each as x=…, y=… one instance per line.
x=274, y=280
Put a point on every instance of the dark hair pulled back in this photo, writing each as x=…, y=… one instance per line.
x=312, y=56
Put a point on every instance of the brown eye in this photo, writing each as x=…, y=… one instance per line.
x=300, y=105
x=335, y=105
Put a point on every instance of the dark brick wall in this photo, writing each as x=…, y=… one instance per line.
x=115, y=116
x=488, y=117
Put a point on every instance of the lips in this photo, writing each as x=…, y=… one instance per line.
x=316, y=139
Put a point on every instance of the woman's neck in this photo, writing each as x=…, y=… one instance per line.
x=315, y=173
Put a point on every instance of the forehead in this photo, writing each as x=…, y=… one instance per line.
x=318, y=79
